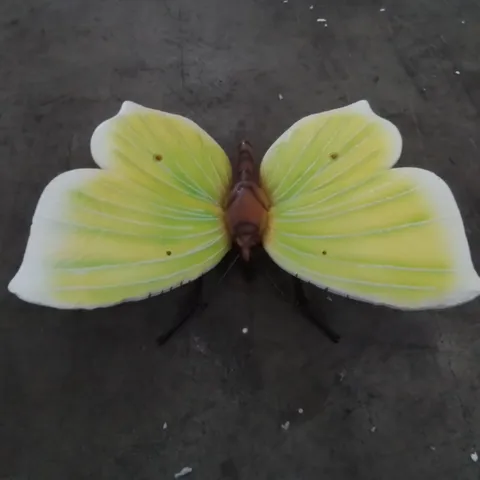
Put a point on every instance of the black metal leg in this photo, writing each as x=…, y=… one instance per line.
x=303, y=304
x=193, y=304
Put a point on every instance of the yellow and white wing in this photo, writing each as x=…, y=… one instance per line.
x=150, y=221
x=342, y=219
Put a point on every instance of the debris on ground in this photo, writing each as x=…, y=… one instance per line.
x=165, y=426
x=280, y=96
x=300, y=411
x=244, y=330
x=286, y=425
x=184, y=471
x=373, y=429
x=474, y=456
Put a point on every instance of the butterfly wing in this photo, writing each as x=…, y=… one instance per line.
x=344, y=220
x=148, y=221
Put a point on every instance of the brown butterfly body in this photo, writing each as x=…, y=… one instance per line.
x=247, y=205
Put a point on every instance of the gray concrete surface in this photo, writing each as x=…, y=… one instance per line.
x=85, y=395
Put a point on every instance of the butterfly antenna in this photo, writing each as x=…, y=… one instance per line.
x=274, y=284
x=232, y=263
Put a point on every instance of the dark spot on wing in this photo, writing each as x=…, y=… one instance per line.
x=169, y=252
x=157, y=157
x=324, y=252
x=334, y=155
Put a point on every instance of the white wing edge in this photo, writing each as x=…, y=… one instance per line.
x=441, y=198
x=30, y=283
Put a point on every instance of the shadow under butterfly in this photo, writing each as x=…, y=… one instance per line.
x=326, y=206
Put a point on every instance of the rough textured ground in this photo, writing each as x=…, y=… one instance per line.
x=85, y=395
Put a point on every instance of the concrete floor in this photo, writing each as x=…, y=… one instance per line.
x=86, y=395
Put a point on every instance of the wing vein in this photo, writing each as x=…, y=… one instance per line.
x=363, y=264
x=366, y=233
x=353, y=209
x=143, y=282
x=302, y=152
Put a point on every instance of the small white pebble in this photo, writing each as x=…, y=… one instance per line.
x=184, y=471
x=382, y=9
x=280, y=96
x=373, y=429
x=329, y=299
x=432, y=448
x=321, y=20
x=165, y=426
x=325, y=24
x=474, y=456
x=285, y=1
x=457, y=72
x=311, y=7
x=286, y=425
x=300, y=411
x=463, y=21
x=245, y=330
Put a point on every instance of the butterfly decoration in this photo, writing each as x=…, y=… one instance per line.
x=326, y=205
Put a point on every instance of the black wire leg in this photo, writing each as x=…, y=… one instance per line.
x=303, y=304
x=193, y=303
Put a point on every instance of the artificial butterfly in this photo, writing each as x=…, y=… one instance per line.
x=166, y=207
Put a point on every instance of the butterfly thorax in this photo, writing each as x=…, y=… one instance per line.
x=246, y=210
